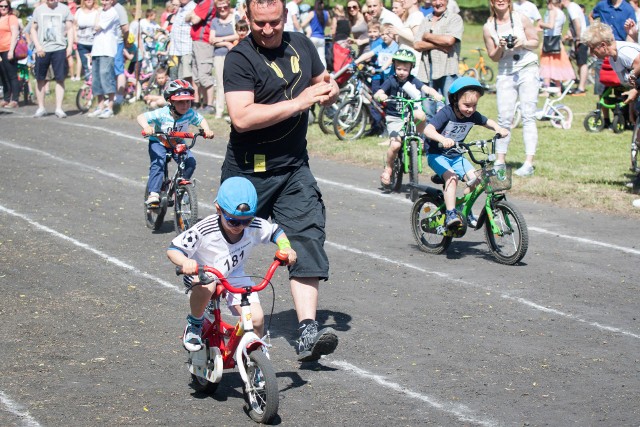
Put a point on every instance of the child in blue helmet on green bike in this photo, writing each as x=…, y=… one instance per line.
x=450, y=125
x=401, y=84
x=224, y=241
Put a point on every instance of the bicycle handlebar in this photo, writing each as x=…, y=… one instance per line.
x=176, y=135
x=481, y=143
x=279, y=259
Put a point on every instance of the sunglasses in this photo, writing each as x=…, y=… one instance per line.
x=352, y=7
x=235, y=222
x=223, y=8
x=4, y=6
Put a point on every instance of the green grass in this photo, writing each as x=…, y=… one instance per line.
x=574, y=168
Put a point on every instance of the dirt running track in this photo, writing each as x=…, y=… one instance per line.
x=92, y=312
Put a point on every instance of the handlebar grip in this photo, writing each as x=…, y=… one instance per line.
x=179, y=270
x=180, y=134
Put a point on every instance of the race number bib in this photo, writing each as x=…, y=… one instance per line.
x=457, y=131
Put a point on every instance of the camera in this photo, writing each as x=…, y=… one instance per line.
x=511, y=41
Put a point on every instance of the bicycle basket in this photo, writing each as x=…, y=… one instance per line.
x=496, y=179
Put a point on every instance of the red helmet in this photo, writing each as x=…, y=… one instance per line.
x=178, y=90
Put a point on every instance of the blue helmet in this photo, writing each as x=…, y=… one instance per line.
x=235, y=192
x=461, y=85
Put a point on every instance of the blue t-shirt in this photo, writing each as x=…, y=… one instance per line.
x=615, y=17
x=317, y=29
x=383, y=53
x=162, y=120
x=450, y=126
x=393, y=87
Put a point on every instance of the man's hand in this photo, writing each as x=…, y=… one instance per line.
x=631, y=95
x=332, y=96
x=321, y=92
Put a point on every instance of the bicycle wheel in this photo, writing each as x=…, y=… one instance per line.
x=84, y=99
x=618, y=124
x=511, y=242
x=471, y=72
x=486, y=74
x=562, y=118
x=154, y=217
x=517, y=116
x=594, y=122
x=635, y=146
x=397, y=172
x=262, y=394
x=325, y=118
x=350, y=119
x=185, y=208
x=427, y=224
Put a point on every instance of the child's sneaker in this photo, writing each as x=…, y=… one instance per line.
x=313, y=344
x=153, y=199
x=472, y=221
x=453, y=219
x=191, y=339
x=96, y=112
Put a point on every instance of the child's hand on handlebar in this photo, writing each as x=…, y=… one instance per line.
x=146, y=131
x=190, y=267
x=502, y=132
x=448, y=143
x=293, y=257
x=208, y=134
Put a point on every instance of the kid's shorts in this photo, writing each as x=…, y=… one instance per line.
x=440, y=164
x=241, y=282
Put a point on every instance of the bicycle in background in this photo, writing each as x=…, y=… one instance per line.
x=176, y=191
x=480, y=71
x=228, y=347
x=559, y=115
x=506, y=231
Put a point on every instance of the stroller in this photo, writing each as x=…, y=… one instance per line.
x=611, y=99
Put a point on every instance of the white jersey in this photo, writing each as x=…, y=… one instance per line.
x=206, y=244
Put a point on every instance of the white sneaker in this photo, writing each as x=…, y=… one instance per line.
x=524, y=170
x=96, y=112
x=153, y=199
x=106, y=113
x=60, y=114
x=40, y=112
x=636, y=203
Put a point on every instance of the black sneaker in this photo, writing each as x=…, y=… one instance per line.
x=313, y=343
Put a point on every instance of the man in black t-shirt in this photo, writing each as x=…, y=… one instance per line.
x=271, y=79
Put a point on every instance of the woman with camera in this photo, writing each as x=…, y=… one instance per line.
x=510, y=39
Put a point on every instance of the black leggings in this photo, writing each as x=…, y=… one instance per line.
x=9, y=77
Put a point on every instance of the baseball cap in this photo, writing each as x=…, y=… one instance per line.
x=234, y=192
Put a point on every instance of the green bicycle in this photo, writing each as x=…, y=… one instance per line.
x=505, y=227
x=409, y=159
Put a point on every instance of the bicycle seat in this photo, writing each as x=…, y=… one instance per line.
x=437, y=179
x=550, y=90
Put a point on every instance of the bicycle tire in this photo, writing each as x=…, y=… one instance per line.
x=262, y=396
x=350, y=120
x=325, y=118
x=593, y=122
x=427, y=224
x=510, y=247
x=635, y=147
x=185, y=208
x=618, y=123
x=201, y=385
x=155, y=217
x=471, y=72
x=563, y=118
x=84, y=99
x=397, y=173
x=414, y=171
x=486, y=74
x=517, y=116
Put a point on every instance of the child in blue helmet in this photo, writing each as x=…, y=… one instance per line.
x=224, y=241
x=450, y=125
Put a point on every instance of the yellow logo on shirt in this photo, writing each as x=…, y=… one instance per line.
x=295, y=64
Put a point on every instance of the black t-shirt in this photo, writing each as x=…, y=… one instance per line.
x=449, y=126
x=273, y=75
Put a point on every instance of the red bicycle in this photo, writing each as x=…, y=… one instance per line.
x=227, y=346
x=176, y=191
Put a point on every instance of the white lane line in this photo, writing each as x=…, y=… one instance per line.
x=15, y=409
x=459, y=411
x=106, y=257
x=376, y=193
x=462, y=412
x=520, y=300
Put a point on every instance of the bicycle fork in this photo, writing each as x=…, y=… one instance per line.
x=406, y=154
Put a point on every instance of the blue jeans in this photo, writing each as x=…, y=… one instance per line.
x=104, y=79
x=83, y=51
x=443, y=84
x=157, y=155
